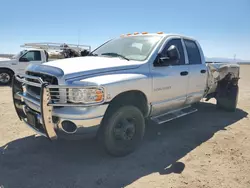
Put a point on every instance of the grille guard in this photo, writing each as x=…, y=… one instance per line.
x=50, y=96
x=46, y=110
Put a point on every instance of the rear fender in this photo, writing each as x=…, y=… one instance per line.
x=218, y=72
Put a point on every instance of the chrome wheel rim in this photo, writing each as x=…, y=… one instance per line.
x=4, y=77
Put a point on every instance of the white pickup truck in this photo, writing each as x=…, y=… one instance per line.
x=117, y=86
x=19, y=62
x=35, y=53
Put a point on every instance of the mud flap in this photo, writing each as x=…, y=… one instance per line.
x=46, y=113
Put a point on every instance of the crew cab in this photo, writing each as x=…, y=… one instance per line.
x=19, y=62
x=111, y=92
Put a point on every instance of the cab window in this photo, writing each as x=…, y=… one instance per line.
x=178, y=44
x=193, y=52
x=33, y=56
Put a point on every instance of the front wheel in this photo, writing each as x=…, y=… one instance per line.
x=5, y=77
x=122, y=130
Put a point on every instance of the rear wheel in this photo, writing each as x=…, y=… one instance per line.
x=122, y=130
x=230, y=100
x=5, y=77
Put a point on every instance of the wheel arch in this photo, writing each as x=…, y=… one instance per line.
x=8, y=69
x=133, y=97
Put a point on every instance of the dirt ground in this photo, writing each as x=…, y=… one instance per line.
x=210, y=148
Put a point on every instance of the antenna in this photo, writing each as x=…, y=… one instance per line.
x=78, y=39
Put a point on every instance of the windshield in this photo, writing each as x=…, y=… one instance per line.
x=132, y=48
x=19, y=54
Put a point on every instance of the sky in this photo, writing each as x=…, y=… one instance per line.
x=221, y=26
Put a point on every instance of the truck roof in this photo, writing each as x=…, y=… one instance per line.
x=34, y=49
x=156, y=34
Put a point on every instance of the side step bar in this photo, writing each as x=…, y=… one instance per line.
x=173, y=115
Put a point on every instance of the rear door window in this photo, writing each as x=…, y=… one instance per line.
x=193, y=52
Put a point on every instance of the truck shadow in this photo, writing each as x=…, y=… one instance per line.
x=37, y=162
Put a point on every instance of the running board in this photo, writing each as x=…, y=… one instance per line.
x=173, y=115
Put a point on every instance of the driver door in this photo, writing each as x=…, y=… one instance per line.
x=170, y=82
x=33, y=56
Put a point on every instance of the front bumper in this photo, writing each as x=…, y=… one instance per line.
x=47, y=120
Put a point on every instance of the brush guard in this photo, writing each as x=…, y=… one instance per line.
x=41, y=122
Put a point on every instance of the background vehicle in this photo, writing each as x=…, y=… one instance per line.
x=37, y=53
x=112, y=91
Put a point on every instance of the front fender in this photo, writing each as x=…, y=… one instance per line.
x=115, y=84
x=6, y=64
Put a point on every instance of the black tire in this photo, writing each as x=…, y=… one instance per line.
x=5, y=77
x=229, y=102
x=122, y=130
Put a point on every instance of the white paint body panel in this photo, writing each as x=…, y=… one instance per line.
x=196, y=83
x=169, y=88
x=89, y=63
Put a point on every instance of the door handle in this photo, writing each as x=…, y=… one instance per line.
x=184, y=73
x=203, y=71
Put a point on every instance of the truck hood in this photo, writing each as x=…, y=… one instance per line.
x=6, y=62
x=4, y=59
x=71, y=67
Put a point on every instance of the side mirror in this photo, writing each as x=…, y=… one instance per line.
x=85, y=53
x=171, y=57
x=23, y=59
x=173, y=53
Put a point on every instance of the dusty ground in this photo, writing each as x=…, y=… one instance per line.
x=210, y=148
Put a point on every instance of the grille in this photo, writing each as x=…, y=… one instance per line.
x=35, y=91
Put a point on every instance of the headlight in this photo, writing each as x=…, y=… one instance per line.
x=86, y=95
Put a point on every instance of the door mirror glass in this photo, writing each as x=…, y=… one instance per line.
x=23, y=59
x=173, y=53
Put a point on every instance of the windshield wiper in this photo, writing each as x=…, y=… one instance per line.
x=115, y=54
x=92, y=54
